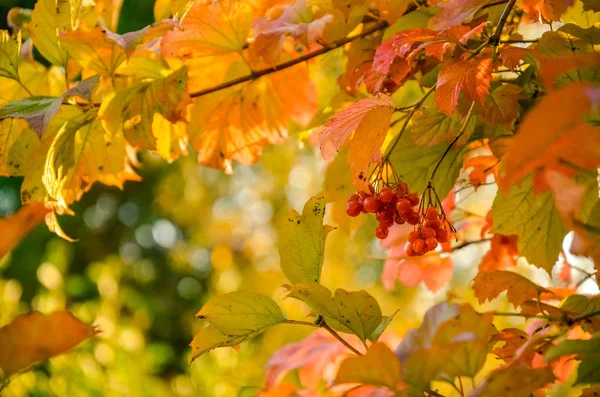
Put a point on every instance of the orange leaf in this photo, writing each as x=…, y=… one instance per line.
x=472, y=76
x=236, y=124
x=512, y=56
x=502, y=254
x=548, y=10
x=553, y=130
x=488, y=285
x=455, y=12
x=482, y=167
x=16, y=226
x=33, y=337
x=364, y=126
x=501, y=106
x=432, y=269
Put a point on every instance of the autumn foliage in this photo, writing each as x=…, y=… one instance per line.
x=413, y=107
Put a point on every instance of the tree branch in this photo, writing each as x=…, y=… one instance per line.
x=338, y=337
x=259, y=73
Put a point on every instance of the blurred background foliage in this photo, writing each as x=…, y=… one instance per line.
x=149, y=256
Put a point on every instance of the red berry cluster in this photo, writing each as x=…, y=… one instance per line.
x=393, y=204
x=431, y=231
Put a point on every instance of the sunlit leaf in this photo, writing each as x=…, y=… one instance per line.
x=368, y=369
x=15, y=227
x=356, y=312
x=302, y=242
x=10, y=50
x=488, y=285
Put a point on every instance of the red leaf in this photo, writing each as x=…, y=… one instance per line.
x=546, y=10
x=363, y=126
x=431, y=269
x=455, y=12
x=472, y=76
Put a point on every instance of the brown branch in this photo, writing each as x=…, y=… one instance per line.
x=259, y=73
x=338, y=337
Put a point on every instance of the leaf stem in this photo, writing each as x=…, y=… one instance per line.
x=460, y=133
x=338, y=337
x=584, y=316
x=416, y=106
x=297, y=322
x=24, y=86
x=262, y=72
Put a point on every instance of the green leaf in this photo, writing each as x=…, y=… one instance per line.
x=234, y=318
x=379, y=367
x=241, y=310
x=501, y=106
x=36, y=110
x=386, y=320
x=415, y=164
x=356, y=313
x=302, y=242
x=10, y=50
x=431, y=126
x=588, y=351
x=534, y=219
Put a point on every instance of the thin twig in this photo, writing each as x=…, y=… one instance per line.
x=338, y=337
x=259, y=73
x=518, y=41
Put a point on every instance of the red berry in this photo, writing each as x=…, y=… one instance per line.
x=434, y=223
x=384, y=215
x=431, y=243
x=403, y=206
x=414, y=199
x=419, y=246
x=427, y=232
x=414, y=219
x=431, y=213
x=441, y=235
x=353, y=197
x=386, y=195
x=398, y=219
x=371, y=204
x=387, y=223
x=381, y=232
x=414, y=236
x=353, y=208
x=364, y=195
x=410, y=251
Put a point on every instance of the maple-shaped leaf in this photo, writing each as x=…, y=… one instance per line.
x=355, y=312
x=432, y=127
x=513, y=381
x=488, y=285
x=514, y=339
x=131, y=110
x=501, y=106
x=295, y=19
x=546, y=10
x=236, y=124
x=415, y=164
x=456, y=12
x=10, y=51
x=502, y=254
x=233, y=318
x=210, y=28
x=93, y=50
x=471, y=76
x=302, y=242
x=15, y=227
x=368, y=369
x=363, y=126
x=33, y=337
x=533, y=218
x=512, y=56
x=553, y=132
x=176, y=8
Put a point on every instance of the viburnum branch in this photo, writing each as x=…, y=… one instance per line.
x=298, y=322
x=462, y=130
x=583, y=317
x=306, y=57
x=518, y=41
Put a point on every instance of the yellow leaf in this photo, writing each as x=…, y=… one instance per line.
x=109, y=11
x=93, y=50
x=131, y=110
x=33, y=337
x=371, y=370
x=16, y=226
x=10, y=50
x=171, y=138
x=37, y=78
x=302, y=242
x=12, y=147
x=490, y=284
x=45, y=25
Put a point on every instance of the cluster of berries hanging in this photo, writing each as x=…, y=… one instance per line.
x=392, y=202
